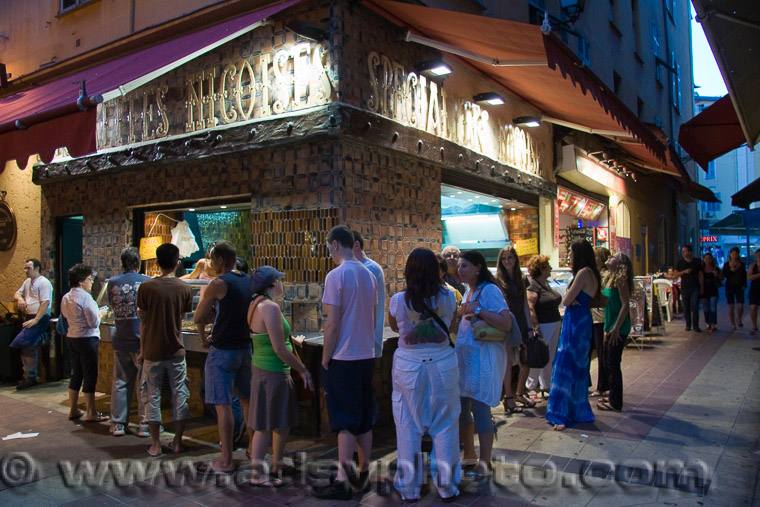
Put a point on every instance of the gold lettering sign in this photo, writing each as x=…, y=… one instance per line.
x=414, y=101
x=291, y=78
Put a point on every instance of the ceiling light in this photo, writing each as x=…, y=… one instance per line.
x=513, y=209
x=477, y=197
x=190, y=209
x=490, y=98
x=459, y=192
x=433, y=68
x=527, y=121
x=223, y=206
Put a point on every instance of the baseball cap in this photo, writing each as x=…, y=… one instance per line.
x=263, y=277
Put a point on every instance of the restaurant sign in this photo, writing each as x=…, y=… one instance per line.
x=415, y=101
x=283, y=80
x=578, y=205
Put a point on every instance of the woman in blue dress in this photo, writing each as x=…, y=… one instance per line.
x=568, y=398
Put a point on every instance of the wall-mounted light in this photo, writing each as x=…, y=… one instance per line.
x=527, y=121
x=306, y=30
x=433, y=68
x=572, y=9
x=490, y=98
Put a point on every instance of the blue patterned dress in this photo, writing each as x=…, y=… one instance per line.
x=568, y=398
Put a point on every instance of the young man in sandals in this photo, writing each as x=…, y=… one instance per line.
x=161, y=302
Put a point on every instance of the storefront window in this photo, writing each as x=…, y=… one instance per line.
x=477, y=221
x=580, y=217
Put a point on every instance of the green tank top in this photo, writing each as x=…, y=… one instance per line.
x=264, y=356
x=612, y=311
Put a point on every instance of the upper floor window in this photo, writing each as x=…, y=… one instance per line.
x=710, y=175
x=68, y=5
x=675, y=81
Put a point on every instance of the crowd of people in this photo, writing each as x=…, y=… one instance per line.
x=462, y=334
x=699, y=281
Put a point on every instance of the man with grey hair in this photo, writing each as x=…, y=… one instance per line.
x=451, y=254
x=122, y=298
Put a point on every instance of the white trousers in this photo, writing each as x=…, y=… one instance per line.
x=543, y=376
x=426, y=400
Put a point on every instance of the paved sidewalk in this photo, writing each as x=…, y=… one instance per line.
x=688, y=435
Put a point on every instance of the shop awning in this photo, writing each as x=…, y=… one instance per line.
x=732, y=28
x=539, y=70
x=739, y=223
x=48, y=117
x=700, y=192
x=746, y=196
x=712, y=133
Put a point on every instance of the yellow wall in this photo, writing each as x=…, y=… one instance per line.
x=24, y=198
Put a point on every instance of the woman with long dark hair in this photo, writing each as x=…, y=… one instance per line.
x=568, y=398
x=425, y=378
x=482, y=364
x=513, y=284
x=618, y=282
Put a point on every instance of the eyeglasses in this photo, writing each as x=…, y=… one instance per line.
x=451, y=255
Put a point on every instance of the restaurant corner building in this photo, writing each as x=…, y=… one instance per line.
x=270, y=138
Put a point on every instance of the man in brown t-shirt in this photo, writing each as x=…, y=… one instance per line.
x=161, y=302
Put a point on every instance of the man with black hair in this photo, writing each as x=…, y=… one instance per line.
x=377, y=272
x=161, y=303
x=33, y=301
x=689, y=270
x=122, y=298
x=349, y=300
x=228, y=364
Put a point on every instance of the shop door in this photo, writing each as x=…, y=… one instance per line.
x=69, y=252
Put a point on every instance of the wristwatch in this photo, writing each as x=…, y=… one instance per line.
x=477, y=310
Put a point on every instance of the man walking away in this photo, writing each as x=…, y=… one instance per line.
x=377, y=272
x=349, y=301
x=33, y=301
x=692, y=286
x=161, y=302
x=122, y=298
x=228, y=365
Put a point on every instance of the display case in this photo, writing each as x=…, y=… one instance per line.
x=190, y=335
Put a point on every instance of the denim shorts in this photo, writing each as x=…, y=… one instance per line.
x=225, y=370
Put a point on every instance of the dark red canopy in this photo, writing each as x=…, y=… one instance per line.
x=712, y=133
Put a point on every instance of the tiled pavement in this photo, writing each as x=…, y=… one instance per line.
x=688, y=435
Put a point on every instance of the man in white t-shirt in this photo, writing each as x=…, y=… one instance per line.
x=377, y=272
x=33, y=301
x=349, y=300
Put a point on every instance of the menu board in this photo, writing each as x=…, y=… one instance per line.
x=573, y=233
x=578, y=205
x=8, y=228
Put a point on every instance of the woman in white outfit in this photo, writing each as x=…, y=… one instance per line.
x=425, y=376
x=482, y=364
x=543, y=305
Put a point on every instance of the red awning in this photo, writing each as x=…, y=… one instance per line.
x=50, y=118
x=712, y=133
x=560, y=86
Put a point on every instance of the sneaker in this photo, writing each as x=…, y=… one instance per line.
x=143, y=431
x=688, y=328
x=336, y=490
x=697, y=329
x=117, y=429
x=27, y=383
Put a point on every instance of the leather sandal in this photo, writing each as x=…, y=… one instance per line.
x=511, y=408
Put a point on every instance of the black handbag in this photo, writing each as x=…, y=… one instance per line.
x=536, y=350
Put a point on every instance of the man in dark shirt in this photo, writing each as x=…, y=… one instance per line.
x=689, y=270
x=228, y=364
x=161, y=302
x=122, y=298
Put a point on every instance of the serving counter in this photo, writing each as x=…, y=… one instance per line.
x=312, y=412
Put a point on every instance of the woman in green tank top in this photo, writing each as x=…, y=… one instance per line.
x=273, y=408
x=617, y=325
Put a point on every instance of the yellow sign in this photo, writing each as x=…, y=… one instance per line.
x=526, y=246
x=148, y=247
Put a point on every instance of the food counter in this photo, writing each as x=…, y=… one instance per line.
x=312, y=413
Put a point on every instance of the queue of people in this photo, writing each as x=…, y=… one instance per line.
x=460, y=334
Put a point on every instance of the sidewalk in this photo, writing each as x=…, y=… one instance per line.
x=688, y=435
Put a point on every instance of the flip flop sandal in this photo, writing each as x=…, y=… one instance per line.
x=158, y=454
x=99, y=417
x=75, y=417
x=607, y=407
x=207, y=469
x=271, y=482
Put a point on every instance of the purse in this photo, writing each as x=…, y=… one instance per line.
x=482, y=331
x=535, y=351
